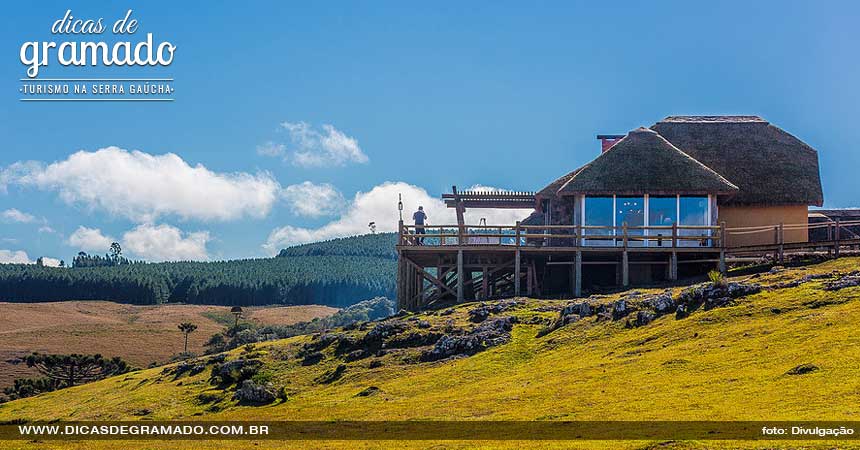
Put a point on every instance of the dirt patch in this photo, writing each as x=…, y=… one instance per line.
x=139, y=334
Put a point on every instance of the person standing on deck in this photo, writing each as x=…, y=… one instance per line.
x=419, y=217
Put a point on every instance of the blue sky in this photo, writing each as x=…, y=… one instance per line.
x=423, y=96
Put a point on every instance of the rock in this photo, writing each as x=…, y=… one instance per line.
x=850, y=280
x=712, y=303
x=237, y=370
x=581, y=309
x=332, y=375
x=620, y=309
x=355, y=355
x=490, y=333
x=479, y=314
x=737, y=290
x=776, y=269
x=802, y=369
x=661, y=304
x=368, y=391
x=644, y=318
x=423, y=324
x=383, y=330
x=681, y=312
x=256, y=394
x=312, y=358
x=447, y=312
x=412, y=339
x=374, y=364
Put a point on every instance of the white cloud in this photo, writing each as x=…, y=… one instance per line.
x=143, y=187
x=14, y=257
x=21, y=257
x=322, y=148
x=46, y=229
x=313, y=200
x=166, y=243
x=271, y=149
x=16, y=216
x=90, y=240
x=50, y=262
x=380, y=205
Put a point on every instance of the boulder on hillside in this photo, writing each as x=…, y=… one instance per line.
x=492, y=332
x=255, y=394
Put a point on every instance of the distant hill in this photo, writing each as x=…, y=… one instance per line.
x=379, y=245
x=335, y=273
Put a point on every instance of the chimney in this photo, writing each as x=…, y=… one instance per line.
x=608, y=140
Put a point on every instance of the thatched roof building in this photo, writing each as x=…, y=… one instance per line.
x=767, y=164
x=642, y=162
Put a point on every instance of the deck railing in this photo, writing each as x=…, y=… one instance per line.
x=520, y=235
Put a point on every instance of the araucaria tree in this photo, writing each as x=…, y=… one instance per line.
x=74, y=369
x=187, y=328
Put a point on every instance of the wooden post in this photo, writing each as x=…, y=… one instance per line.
x=836, y=244
x=401, y=295
x=517, y=232
x=781, y=248
x=460, y=275
x=577, y=285
x=625, y=267
x=674, y=234
x=400, y=240
x=721, y=266
x=517, y=269
x=529, y=280
x=673, y=266
x=624, y=234
x=724, y=235
x=461, y=220
x=485, y=284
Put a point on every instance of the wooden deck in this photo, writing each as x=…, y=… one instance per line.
x=464, y=262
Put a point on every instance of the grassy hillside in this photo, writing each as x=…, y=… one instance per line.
x=336, y=273
x=734, y=361
x=139, y=334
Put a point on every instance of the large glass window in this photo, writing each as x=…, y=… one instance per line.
x=693, y=211
x=598, y=212
x=662, y=212
x=630, y=210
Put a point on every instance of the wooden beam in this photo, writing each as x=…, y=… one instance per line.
x=577, y=269
x=427, y=275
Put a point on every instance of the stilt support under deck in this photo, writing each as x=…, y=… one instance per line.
x=625, y=269
x=577, y=275
x=460, y=275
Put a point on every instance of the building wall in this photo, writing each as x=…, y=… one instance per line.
x=753, y=216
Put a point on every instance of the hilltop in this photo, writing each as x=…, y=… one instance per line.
x=780, y=345
x=334, y=273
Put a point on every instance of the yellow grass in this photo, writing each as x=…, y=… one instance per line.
x=723, y=364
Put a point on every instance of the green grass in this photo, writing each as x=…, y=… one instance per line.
x=724, y=364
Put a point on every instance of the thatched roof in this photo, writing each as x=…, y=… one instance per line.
x=642, y=162
x=769, y=166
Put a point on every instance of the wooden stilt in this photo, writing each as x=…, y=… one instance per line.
x=517, y=274
x=485, y=284
x=577, y=275
x=625, y=269
x=673, y=266
x=460, y=275
x=529, y=280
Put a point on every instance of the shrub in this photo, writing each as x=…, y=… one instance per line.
x=717, y=278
